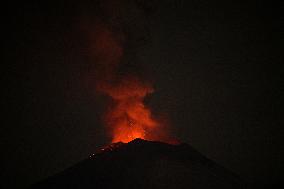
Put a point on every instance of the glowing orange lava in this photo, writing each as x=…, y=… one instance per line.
x=127, y=116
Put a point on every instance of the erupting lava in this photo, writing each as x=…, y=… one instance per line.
x=127, y=116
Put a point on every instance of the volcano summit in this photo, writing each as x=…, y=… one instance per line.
x=145, y=164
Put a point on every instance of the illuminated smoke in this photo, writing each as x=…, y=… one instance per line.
x=126, y=117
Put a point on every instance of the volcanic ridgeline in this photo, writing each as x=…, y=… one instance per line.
x=145, y=164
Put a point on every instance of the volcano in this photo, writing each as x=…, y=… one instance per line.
x=144, y=164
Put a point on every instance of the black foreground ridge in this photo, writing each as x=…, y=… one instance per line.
x=144, y=164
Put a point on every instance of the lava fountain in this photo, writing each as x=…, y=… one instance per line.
x=126, y=117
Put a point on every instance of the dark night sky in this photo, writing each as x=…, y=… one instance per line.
x=215, y=68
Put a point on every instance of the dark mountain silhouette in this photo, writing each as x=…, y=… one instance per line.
x=144, y=164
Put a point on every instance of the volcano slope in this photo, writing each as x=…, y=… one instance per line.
x=145, y=164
